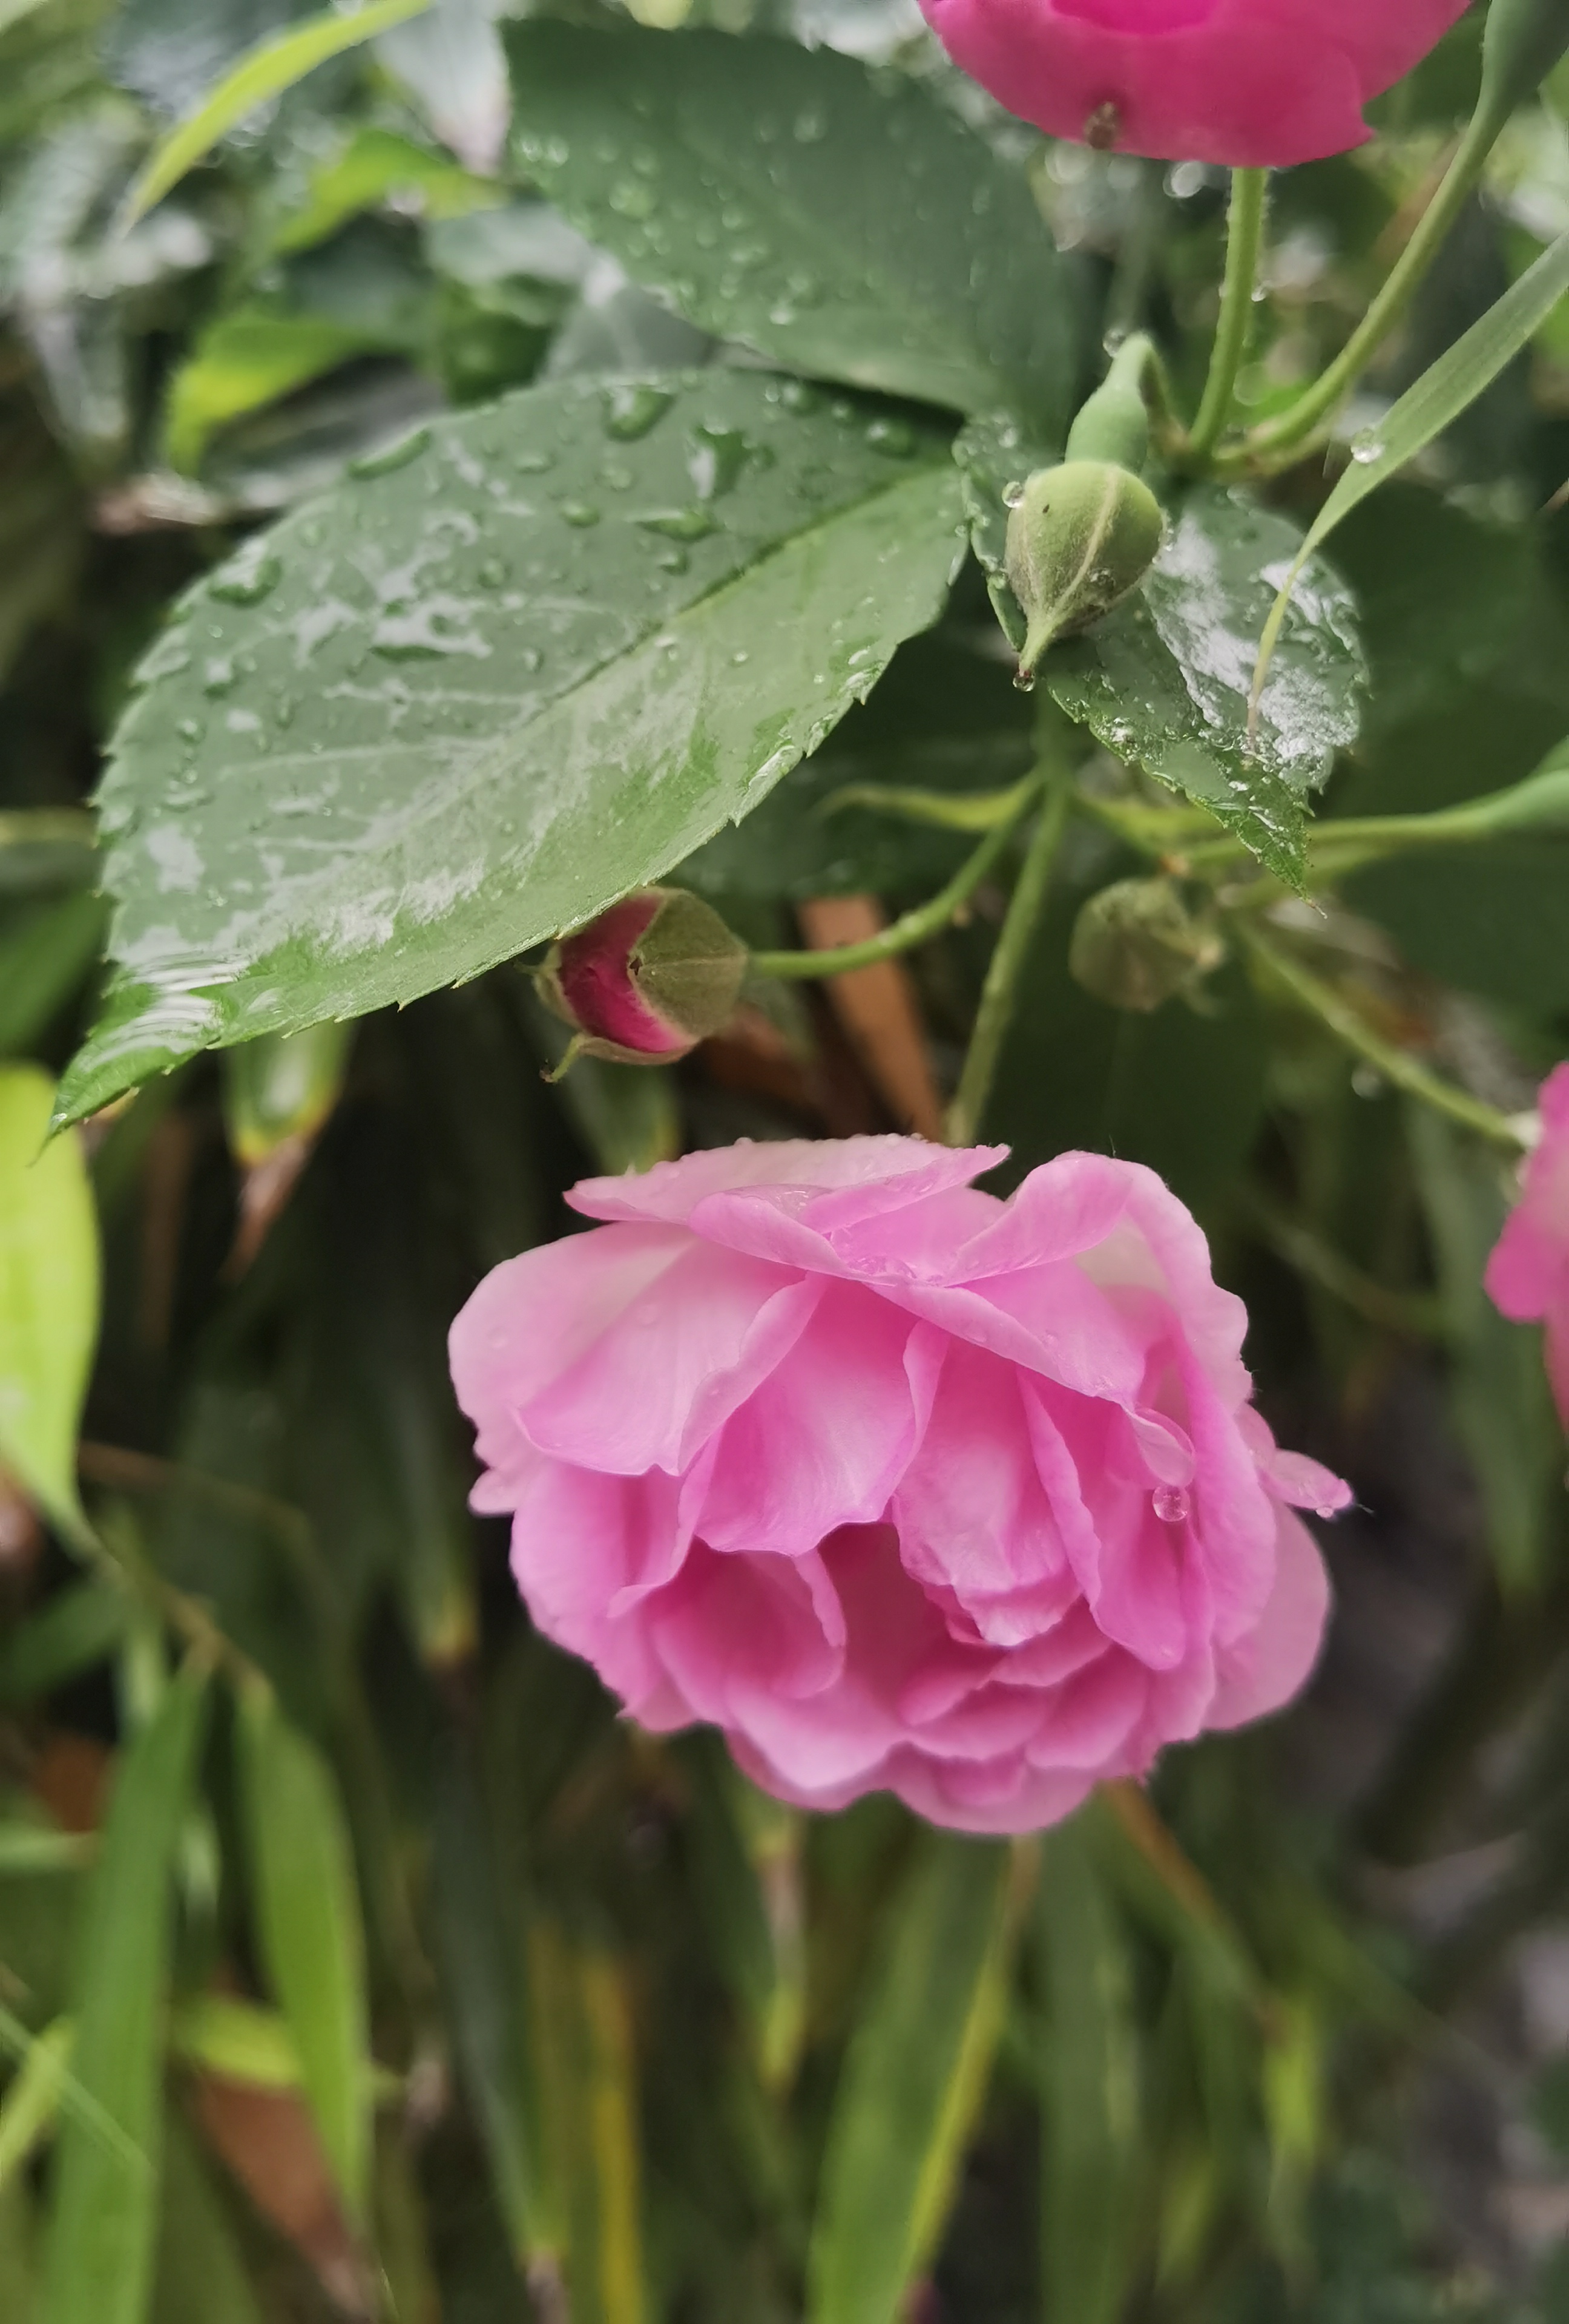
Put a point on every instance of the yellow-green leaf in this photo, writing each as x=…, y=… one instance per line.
x=49, y=1296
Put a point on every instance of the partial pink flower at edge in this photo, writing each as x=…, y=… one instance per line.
x=1249, y=83
x=1527, y=1275
x=902, y=1487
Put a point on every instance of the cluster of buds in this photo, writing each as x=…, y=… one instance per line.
x=647, y=980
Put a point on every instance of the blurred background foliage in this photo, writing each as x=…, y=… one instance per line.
x=355, y=1961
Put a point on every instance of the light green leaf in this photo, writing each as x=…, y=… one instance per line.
x=309, y=1928
x=49, y=1296
x=271, y=67
x=246, y=359
x=1163, y=681
x=913, y=2083
x=1452, y=385
x=374, y=164
x=103, y=2215
x=33, y=2096
x=1089, y=2087
x=235, y=2040
x=281, y=1088
x=841, y=220
x=463, y=702
x=37, y=1848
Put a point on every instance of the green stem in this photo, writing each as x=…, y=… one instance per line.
x=1000, y=993
x=1249, y=203
x=916, y=928
x=1349, y=1026
x=1287, y=433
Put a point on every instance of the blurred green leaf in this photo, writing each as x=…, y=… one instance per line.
x=769, y=560
x=103, y=2215
x=44, y=956
x=237, y=2041
x=282, y=1087
x=838, y=220
x=582, y=2030
x=1498, y=1387
x=485, y=1971
x=373, y=165
x=913, y=2081
x=201, y=2277
x=75, y=1629
x=49, y=1296
x=309, y=1929
x=270, y=68
x=1090, y=2079
x=248, y=358
x=17, y=2288
x=33, y=2098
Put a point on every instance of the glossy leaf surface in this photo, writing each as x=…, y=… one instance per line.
x=837, y=219
x=466, y=701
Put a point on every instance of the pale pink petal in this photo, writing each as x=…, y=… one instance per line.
x=822, y=1442
x=1259, y=1672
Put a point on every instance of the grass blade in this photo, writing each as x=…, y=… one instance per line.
x=309, y=1928
x=103, y=2216
x=913, y=2082
x=49, y=1297
x=1451, y=385
x=270, y=68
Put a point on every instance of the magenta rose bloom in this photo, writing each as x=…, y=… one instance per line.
x=902, y=1487
x=1527, y=1275
x=1252, y=83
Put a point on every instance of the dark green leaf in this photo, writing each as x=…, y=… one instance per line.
x=103, y=2218
x=1090, y=2087
x=912, y=2083
x=838, y=220
x=468, y=700
x=1498, y=1390
x=309, y=1928
x=483, y=1964
x=75, y=1629
x=1164, y=681
x=44, y=956
x=201, y=2276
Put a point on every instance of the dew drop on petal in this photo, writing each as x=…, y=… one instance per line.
x=1172, y=1504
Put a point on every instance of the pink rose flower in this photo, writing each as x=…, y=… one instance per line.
x=1527, y=1275
x=902, y=1487
x=1251, y=83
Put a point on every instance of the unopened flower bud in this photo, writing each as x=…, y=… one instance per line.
x=1081, y=538
x=648, y=980
x=1136, y=944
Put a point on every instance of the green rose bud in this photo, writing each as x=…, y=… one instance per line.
x=1137, y=943
x=647, y=980
x=1081, y=538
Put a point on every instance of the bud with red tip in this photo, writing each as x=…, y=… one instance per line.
x=648, y=980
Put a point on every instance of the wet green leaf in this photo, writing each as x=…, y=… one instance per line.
x=103, y=2213
x=309, y=1928
x=1164, y=681
x=49, y=1296
x=468, y=699
x=32, y=2100
x=912, y=2083
x=838, y=220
